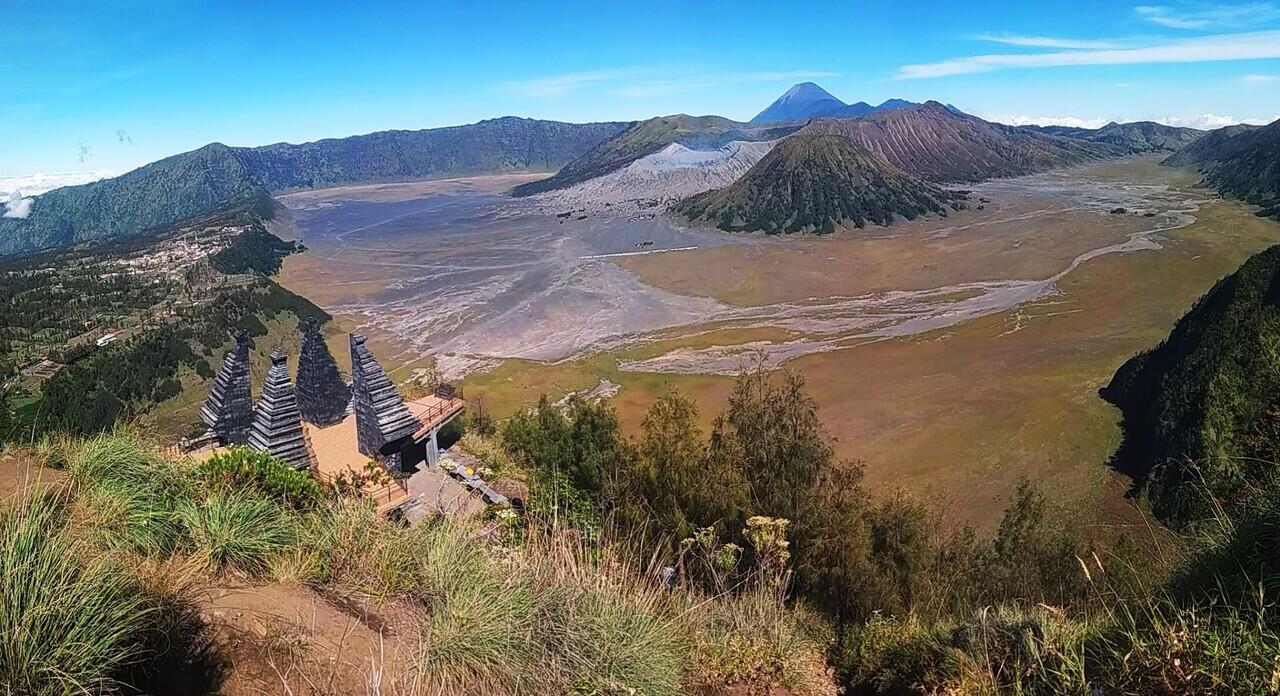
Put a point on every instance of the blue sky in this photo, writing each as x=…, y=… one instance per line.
x=107, y=85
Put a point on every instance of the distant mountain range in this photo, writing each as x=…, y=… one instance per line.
x=1239, y=161
x=807, y=100
x=815, y=183
x=215, y=177
x=1129, y=138
x=933, y=142
x=644, y=138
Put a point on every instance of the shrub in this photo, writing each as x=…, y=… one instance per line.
x=1164, y=649
x=752, y=642
x=235, y=531
x=1000, y=650
x=69, y=619
x=241, y=468
x=488, y=450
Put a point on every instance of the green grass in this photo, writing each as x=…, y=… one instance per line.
x=235, y=531
x=549, y=613
x=69, y=619
x=131, y=494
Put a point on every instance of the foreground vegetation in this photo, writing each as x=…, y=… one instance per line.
x=746, y=559
x=103, y=576
x=1047, y=604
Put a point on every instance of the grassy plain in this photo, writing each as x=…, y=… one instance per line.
x=958, y=414
x=962, y=414
x=1014, y=237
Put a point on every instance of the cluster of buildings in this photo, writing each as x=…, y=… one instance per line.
x=322, y=423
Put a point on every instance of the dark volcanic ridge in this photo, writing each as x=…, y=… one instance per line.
x=817, y=183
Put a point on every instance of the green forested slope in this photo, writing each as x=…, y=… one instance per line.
x=1129, y=138
x=174, y=189
x=496, y=145
x=1202, y=409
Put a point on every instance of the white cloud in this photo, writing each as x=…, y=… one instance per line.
x=1045, y=41
x=651, y=82
x=18, y=192
x=40, y=182
x=1217, y=47
x=1256, y=79
x=1211, y=121
x=555, y=86
x=17, y=206
x=1024, y=120
x=1201, y=16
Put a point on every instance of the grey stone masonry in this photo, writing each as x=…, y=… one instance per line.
x=227, y=411
x=323, y=397
x=277, y=425
x=381, y=415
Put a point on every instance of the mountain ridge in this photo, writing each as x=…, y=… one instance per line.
x=644, y=138
x=1240, y=161
x=807, y=100
x=938, y=144
x=1131, y=138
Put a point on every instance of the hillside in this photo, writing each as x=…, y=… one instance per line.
x=1129, y=138
x=174, y=189
x=216, y=177
x=647, y=137
x=814, y=183
x=1201, y=409
x=496, y=145
x=666, y=176
x=936, y=143
x=1239, y=161
x=1215, y=145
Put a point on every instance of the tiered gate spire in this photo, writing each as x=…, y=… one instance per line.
x=277, y=425
x=381, y=415
x=227, y=411
x=323, y=397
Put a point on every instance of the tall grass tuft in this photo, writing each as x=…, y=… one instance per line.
x=753, y=642
x=69, y=620
x=235, y=531
x=479, y=629
x=602, y=627
x=348, y=545
x=131, y=492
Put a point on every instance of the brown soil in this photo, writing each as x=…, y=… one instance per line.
x=20, y=476
x=289, y=639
